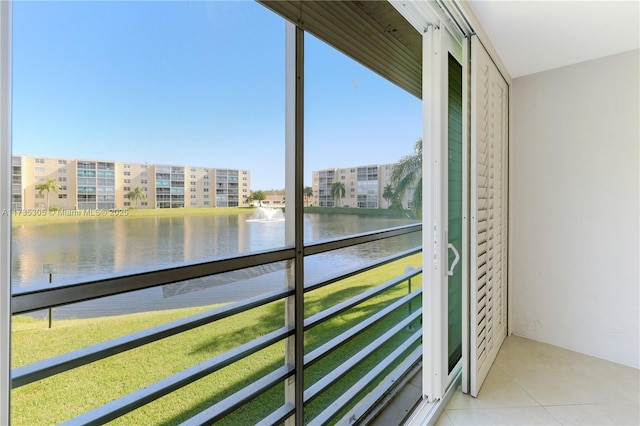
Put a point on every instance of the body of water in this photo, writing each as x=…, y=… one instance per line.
x=89, y=250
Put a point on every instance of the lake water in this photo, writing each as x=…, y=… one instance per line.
x=88, y=250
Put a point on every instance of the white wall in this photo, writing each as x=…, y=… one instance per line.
x=575, y=207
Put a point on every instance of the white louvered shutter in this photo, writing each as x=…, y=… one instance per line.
x=488, y=251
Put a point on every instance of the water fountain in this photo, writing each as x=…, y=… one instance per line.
x=267, y=214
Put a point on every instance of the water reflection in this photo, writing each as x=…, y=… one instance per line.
x=87, y=250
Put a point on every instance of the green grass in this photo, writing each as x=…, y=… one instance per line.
x=399, y=214
x=69, y=394
x=61, y=217
x=80, y=215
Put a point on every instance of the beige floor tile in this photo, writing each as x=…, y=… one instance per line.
x=596, y=414
x=556, y=376
x=444, y=420
x=497, y=391
x=535, y=383
x=502, y=416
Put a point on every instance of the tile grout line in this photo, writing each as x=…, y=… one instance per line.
x=517, y=383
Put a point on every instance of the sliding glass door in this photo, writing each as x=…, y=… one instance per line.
x=445, y=246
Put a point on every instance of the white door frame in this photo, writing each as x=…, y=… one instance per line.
x=438, y=43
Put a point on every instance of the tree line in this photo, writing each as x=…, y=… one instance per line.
x=405, y=174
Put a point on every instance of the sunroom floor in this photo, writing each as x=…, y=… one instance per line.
x=532, y=383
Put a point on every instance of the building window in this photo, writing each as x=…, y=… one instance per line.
x=127, y=173
x=143, y=181
x=127, y=181
x=39, y=169
x=206, y=190
x=127, y=203
x=206, y=184
x=126, y=166
x=39, y=178
x=62, y=171
x=206, y=196
x=62, y=179
x=62, y=196
x=192, y=183
x=206, y=203
x=62, y=162
x=143, y=174
x=144, y=203
x=193, y=176
x=126, y=188
x=193, y=196
x=206, y=177
x=39, y=196
x=192, y=189
x=39, y=160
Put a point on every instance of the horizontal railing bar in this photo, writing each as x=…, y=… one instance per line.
x=49, y=367
x=365, y=237
x=314, y=285
x=337, y=309
x=346, y=397
x=278, y=416
x=340, y=371
x=46, y=368
x=42, y=298
x=363, y=325
x=45, y=297
x=229, y=404
x=137, y=399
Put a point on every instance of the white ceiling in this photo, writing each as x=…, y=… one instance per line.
x=533, y=36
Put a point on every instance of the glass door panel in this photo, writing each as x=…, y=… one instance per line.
x=455, y=212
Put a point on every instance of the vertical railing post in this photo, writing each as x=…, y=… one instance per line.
x=294, y=214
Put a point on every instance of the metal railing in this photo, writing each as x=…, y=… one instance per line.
x=27, y=301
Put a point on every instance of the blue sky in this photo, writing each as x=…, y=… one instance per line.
x=192, y=83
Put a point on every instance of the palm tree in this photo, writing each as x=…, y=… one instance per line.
x=48, y=185
x=258, y=196
x=407, y=173
x=337, y=191
x=307, y=192
x=136, y=194
x=388, y=194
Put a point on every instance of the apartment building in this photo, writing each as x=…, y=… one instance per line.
x=363, y=187
x=94, y=184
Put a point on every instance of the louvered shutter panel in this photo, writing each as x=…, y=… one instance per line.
x=488, y=251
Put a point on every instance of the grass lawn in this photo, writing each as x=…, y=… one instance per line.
x=69, y=394
x=77, y=215
x=40, y=216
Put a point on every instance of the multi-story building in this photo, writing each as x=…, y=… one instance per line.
x=94, y=184
x=363, y=187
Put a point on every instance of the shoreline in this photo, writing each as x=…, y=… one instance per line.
x=42, y=216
